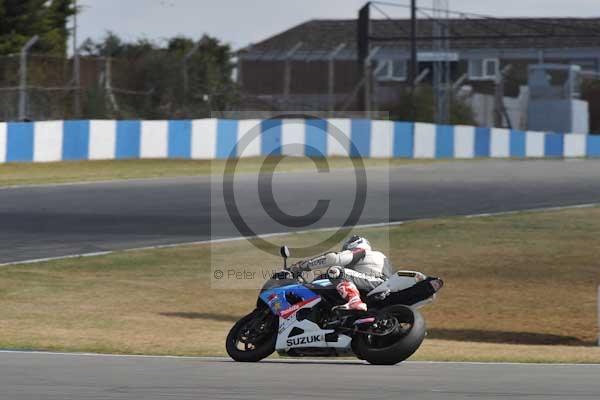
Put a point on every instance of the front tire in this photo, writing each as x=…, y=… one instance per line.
x=395, y=347
x=253, y=337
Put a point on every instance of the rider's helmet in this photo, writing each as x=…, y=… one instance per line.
x=356, y=242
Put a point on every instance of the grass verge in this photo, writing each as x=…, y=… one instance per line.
x=518, y=288
x=83, y=171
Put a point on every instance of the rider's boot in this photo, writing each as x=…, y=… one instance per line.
x=350, y=293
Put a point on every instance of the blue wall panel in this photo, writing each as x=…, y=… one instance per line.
x=19, y=141
x=517, y=144
x=593, y=146
x=271, y=137
x=180, y=139
x=128, y=139
x=444, y=141
x=404, y=139
x=554, y=145
x=315, y=138
x=227, y=133
x=482, y=142
x=76, y=140
x=360, y=138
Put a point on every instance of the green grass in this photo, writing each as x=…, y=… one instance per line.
x=81, y=171
x=518, y=288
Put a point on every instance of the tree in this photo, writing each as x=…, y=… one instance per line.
x=22, y=19
x=420, y=107
x=161, y=82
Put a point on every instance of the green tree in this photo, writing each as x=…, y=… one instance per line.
x=165, y=82
x=420, y=107
x=22, y=19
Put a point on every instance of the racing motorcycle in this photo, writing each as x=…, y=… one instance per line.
x=298, y=318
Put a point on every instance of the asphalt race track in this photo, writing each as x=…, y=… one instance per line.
x=57, y=220
x=25, y=376
x=49, y=221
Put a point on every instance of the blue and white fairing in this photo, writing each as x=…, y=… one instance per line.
x=277, y=300
x=303, y=298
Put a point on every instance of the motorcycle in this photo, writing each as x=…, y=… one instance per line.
x=298, y=318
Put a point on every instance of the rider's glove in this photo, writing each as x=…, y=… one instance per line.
x=297, y=268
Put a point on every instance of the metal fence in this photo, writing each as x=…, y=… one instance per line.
x=148, y=86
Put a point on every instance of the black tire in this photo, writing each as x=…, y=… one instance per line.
x=263, y=347
x=399, y=349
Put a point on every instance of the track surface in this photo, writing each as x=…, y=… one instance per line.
x=50, y=376
x=50, y=221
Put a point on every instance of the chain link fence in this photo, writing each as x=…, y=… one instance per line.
x=146, y=87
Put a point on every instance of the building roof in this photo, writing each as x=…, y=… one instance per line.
x=515, y=33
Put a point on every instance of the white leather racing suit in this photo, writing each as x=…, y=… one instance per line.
x=367, y=269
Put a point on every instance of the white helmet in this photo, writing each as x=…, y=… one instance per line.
x=356, y=242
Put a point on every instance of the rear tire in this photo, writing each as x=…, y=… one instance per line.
x=400, y=349
x=260, y=347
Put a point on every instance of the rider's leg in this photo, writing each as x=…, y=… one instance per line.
x=350, y=293
x=347, y=282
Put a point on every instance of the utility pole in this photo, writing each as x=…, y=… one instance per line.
x=363, y=48
x=108, y=86
x=76, y=66
x=499, y=107
x=368, y=76
x=331, y=77
x=287, y=71
x=441, y=64
x=23, y=77
x=184, y=69
x=413, y=44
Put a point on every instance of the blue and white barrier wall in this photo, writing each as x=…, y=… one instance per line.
x=220, y=138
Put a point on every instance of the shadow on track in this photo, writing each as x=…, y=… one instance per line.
x=460, y=335
x=198, y=315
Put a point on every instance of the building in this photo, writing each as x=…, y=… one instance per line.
x=314, y=65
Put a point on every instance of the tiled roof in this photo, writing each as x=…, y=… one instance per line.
x=319, y=35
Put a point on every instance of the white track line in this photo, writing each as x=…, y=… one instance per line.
x=275, y=234
x=278, y=360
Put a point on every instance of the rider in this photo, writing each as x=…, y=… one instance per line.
x=356, y=267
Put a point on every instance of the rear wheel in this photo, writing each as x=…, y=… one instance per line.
x=253, y=337
x=404, y=330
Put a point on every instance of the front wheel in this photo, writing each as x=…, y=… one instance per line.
x=406, y=329
x=253, y=337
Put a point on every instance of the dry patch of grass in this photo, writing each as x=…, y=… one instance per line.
x=82, y=171
x=514, y=285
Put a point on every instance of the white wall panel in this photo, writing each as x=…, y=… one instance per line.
x=47, y=141
x=3, y=142
x=534, y=144
x=575, y=145
x=424, y=146
x=293, y=137
x=154, y=139
x=204, y=139
x=500, y=143
x=338, y=136
x=464, y=141
x=382, y=139
x=103, y=139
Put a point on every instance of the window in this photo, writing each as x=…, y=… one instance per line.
x=483, y=69
x=586, y=65
x=391, y=70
